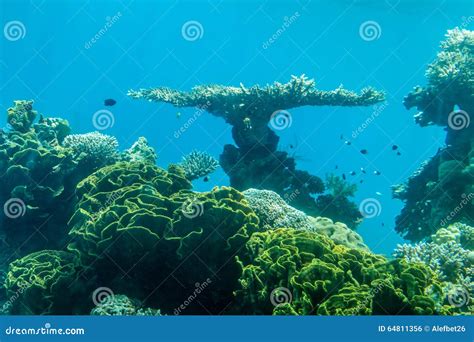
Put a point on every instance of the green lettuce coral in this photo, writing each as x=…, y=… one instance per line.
x=319, y=277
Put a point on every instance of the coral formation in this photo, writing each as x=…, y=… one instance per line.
x=274, y=212
x=198, y=164
x=319, y=277
x=442, y=190
x=121, y=305
x=255, y=162
x=21, y=116
x=140, y=151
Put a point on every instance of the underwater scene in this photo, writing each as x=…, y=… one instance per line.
x=308, y=157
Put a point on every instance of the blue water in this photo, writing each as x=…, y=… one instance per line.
x=56, y=65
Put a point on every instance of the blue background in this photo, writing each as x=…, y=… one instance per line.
x=145, y=48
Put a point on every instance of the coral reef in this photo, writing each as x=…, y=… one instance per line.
x=21, y=115
x=308, y=274
x=442, y=190
x=92, y=149
x=255, y=162
x=274, y=212
x=121, y=305
x=198, y=164
x=140, y=151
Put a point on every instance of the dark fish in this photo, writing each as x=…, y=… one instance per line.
x=336, y=167
x=394, y=147
x=364, y=151
x=344, y=176
x=341, y=137
x=109, y=102
x=383, y=224
x=353, y=173
x=399, y=154
x=291, y=146
x=377, y=173
x=362, y=170
x=347, y=142
x=206, y=179
x=361, y=181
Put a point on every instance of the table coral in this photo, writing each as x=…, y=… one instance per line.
x=256, y=162
x=320, y=277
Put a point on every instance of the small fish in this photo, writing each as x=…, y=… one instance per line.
x=399, y=154
x=109, y=102
x=347, y=142
x=341, y=137
x=377, y=173
x=292, y=146
x=364, y=151
x=206, y=179
x=361, y=181
x=363, y=170
x=353, y=173
x=378, y=193
x=178, y=114
x=337, y=167
x=383, y=224
x=344, y=176
x=394, y=147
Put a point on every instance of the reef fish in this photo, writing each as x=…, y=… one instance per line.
x=109, y=102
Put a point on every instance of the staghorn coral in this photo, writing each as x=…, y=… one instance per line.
x=93, y=149
x=274, y=212
x=320, y=277
x=142, y=220
x=45, y=283
x=121, y=305
x=255, y=162
x=198, y=164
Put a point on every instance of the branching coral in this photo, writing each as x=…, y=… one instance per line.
x=319, y=277
x=198, y=164
x=140, y=151
x=274, y=212
x=255, y=162
x=121, y=305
